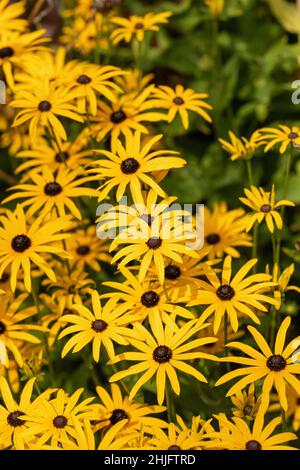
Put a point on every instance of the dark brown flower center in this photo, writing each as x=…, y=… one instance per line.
x=118, y=415
x=253, y=445
x=129, y=166
x=62, y=157
x=118, y=116
x=83, y=79
x=265, y=208
x=150, y=299
x=52, y=189
x=105, y=5
x=139, y=26
x=67, y=311
x=178, y=100
x=4, y=277
x=174, y=447
x=276, y=363
x=13, y=419
x=2, y=328
x=20, y=243
x=83, y=250
x=298, y=401
x=44, y=106
x=172, y=272
x=225, y=292
x=60, y=422
x=162, y=354
x=293, y=135
x=212, y=239
x=247, y=410
x=99, y=325
x=6, y=52
x=72, y=289
x=154, y=243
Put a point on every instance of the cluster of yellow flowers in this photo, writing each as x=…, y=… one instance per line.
x=86, y=132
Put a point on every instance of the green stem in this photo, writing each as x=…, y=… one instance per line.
x=7, y=178
x=249, y=171
x=170, y=405
x=226, y=339
x=255, y=245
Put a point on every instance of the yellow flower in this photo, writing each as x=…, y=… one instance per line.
x=237, y=296
x=129, y=164
x=21, y=244
x=216, y=6
x=104, y=326
x=135, y=26
x=176, y=440
x=132, y=80
x=284, y=136
x=245, y=402
x=180, y=101
x=161, y=354
x=241, y=148
x=264, y=206
x=282, y=282
x=293, y=399
x=10, y=16
x=278, y=368
x=50, y=193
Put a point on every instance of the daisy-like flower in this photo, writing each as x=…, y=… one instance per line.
x=52, y=420
x=216, y=6
x=293, y=399
x=91, y=80
x=161, y=354
x=132, y=80
x=246, y=404
x=241, y=148
x=21, y=244
x=237, y=435
x=264, y=207
x=225, y=230
x=277, y=368
x=87, y=249
x=284, y=136
x=12, y=328
x=101, y=327
x=115, y=408
x=144, y=301
x=49, y=191
x=282, y=281
x=130, y=164
x=136, y=26
x=235, y=296
x=174, y=439
x=42, y=105
x=15, y=47
x=10, y=16
x=181, y=101
x=124, y=115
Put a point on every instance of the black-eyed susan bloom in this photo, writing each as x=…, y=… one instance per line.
x=283, y=135
x=102, y=327
x=278, y=368
x=136, y=26
x=181, y=100
x=22, y=244
x=236, y=296
x=130, y=164
x=174, y=439
x=241, y=148
x=11, y=16
x=160, y=354
x=264, y=207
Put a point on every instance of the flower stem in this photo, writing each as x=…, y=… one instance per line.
x=249, y=171
x=170, y=404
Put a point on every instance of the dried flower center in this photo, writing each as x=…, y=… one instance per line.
x=44, y=106
x=247, y=410
x=139, y=26
x=52, y=189
x=99, y=326
x=62, y=157
x=253, y=445
x=13, y=419
x=162, y=354
x=60, y=422
x=118, y=415
x=118, y=116
x=72, y=289
x=6, y=52
x=83, y=250
x=2, y=328
x=293, y=135
x=276, y=363
x=154, y=243
x=105, y=5
x=150, y=299
x=174, y=447
x=265, y=208
x=4, y=277
x=20, y=243
x=225, y=292
x=177, y=100
x=129, y=166
x=83, y=79
x=172, y=272
x=212, y=239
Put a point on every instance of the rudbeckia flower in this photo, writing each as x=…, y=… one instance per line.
x=160, y=354
x=136, y=26
x=21, y=244
x=129, y=165
x=284, y=136
x=10, y=16
x=293, y=399
x=237, y=296
x=282, y=282
x=180, y=101
x=241, y=148
x=265, y=207
x=278, y=368
x=173, y=439
x=246, y=404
